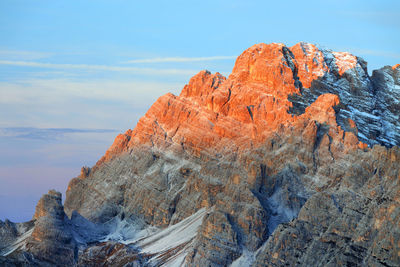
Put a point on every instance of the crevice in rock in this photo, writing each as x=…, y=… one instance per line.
x=335, y=202
x=237, y=229
x=283, y=200
x=172, y=206
x=229, y=98
x=250, y=110
x=322, y=129
x=289, y=58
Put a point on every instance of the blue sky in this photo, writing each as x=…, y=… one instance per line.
x=85, y=66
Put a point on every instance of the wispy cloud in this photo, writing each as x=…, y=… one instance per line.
x=387, y=17
x=46, y=133
x=151, y=71
x=378, y=53
x=22, y=54
x=94, y=103
x=56, y=91
x=179, y=59
x=359, y=51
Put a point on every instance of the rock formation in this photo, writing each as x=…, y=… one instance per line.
x=292, y=160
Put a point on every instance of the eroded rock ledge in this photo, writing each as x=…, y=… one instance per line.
x=291, y=160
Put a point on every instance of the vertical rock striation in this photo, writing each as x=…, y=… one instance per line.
x=294, y=157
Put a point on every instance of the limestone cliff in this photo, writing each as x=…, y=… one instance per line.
x=292, y=160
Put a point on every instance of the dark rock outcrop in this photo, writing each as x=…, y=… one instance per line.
x=51, y=240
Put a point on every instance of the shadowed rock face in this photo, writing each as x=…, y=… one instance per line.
x=51, y=239
x=270, y=166
x=46, y=240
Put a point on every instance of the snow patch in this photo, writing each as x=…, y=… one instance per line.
x=121, y=230
x=174, y=235
x=168, y=247
x=280, y=212
x=245, y=260
x=344, y=61
x=176, y=261
x=17, y=244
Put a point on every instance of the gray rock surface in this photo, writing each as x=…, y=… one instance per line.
x=206, y=179
x=371, y=102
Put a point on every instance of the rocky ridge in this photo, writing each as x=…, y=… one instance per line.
x=291, y=160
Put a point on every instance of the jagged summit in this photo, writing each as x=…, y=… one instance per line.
x=270, y=85
x=291, y=160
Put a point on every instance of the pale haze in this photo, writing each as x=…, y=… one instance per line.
x=74, y=74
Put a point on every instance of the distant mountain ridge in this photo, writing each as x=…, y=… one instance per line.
x=291, y=160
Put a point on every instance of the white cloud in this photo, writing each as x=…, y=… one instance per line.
x=78, y=104
x=59, y=90
x=55, y=96
x=378, y=53
x=22, y=55
x=387, y=18
x=180, y=59
x=150, y=71
x=47, y=133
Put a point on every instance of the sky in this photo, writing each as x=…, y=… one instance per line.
x=74, y=74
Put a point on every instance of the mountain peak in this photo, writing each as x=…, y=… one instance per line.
x=304, y=61
x=290, y=127
x=270, y=85
x=49, y=205
x=202, y=84
x=294, y=147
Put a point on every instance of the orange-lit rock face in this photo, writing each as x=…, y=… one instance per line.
x=344, y=61
x=276, y=141
x=310, y=63
x=202, y=84
x=396, y=66
x=213, y=112
x=322, y=109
